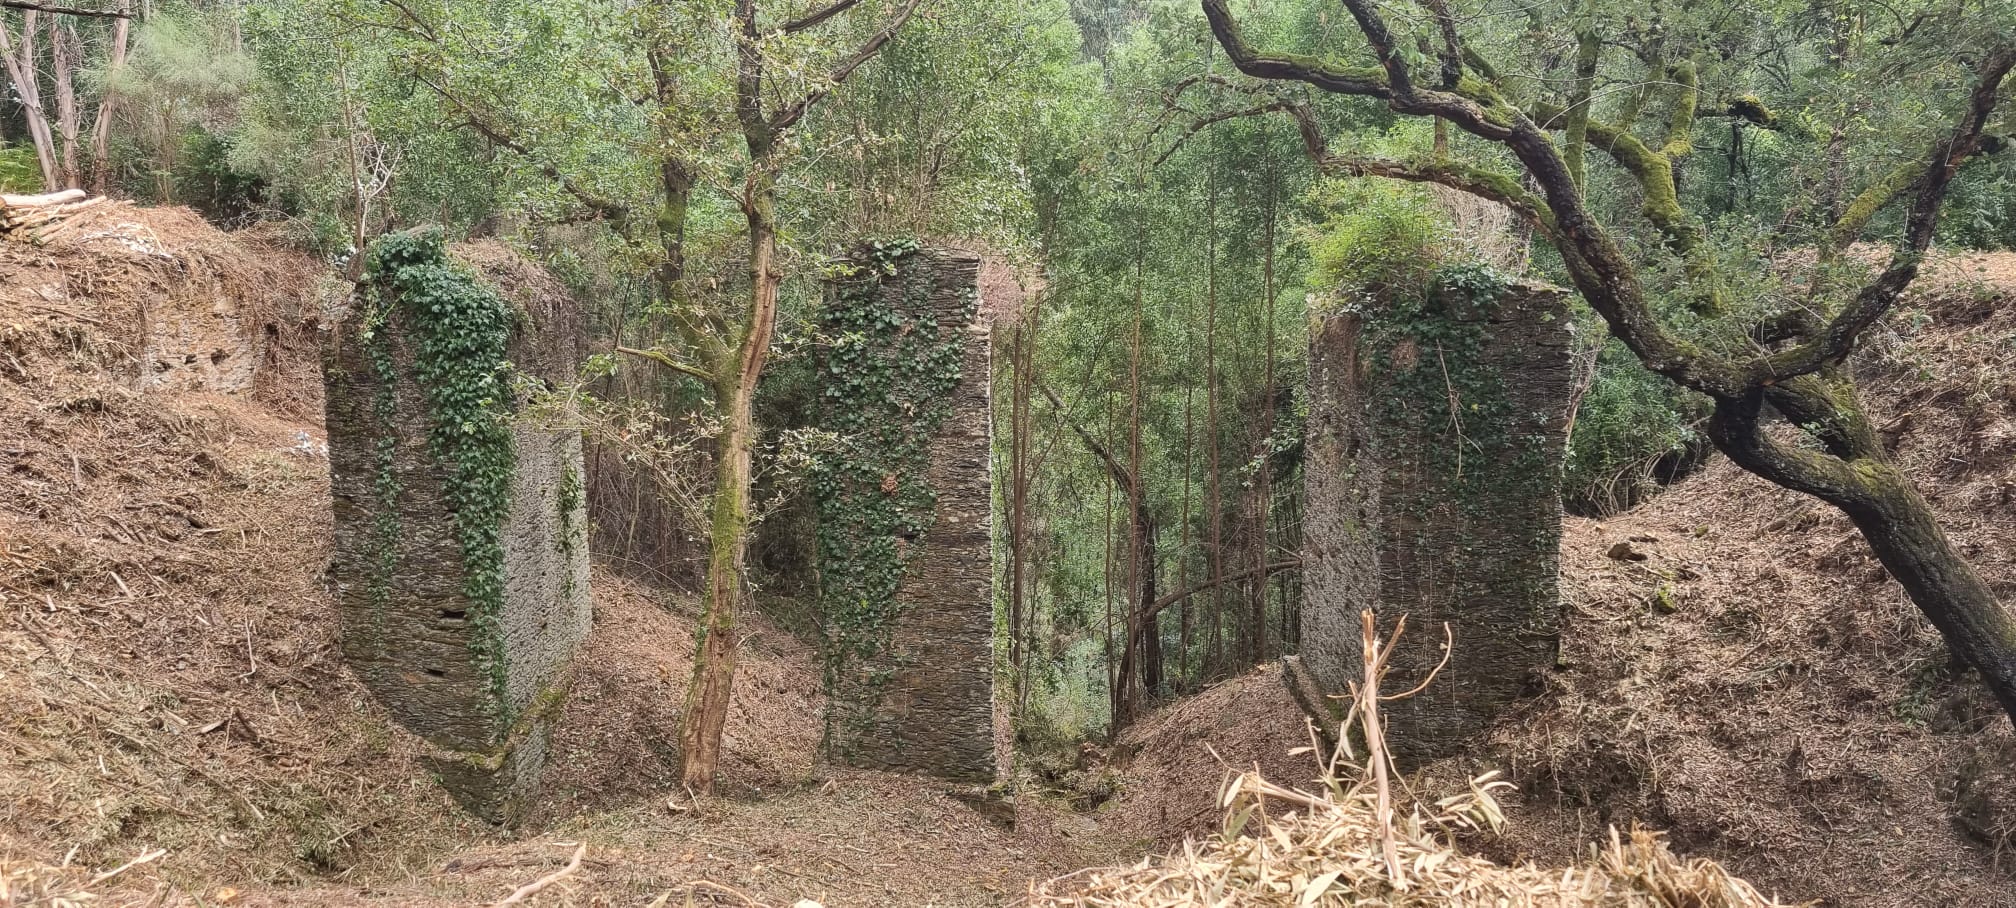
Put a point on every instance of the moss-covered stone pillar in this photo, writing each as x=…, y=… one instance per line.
x=905, y=554
x=460, y=563
x=1435, y=442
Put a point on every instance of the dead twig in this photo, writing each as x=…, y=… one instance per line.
x=129, y=865
x=536, y=886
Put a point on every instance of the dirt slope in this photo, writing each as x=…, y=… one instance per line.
x=1757, y=685
x=169, y=677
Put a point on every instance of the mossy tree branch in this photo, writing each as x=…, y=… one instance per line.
x=667, y=360
x=1588, y=51
x=1921, y=222
x=1485, y=183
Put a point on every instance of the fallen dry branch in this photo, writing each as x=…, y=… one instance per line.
x=536, y=886
x=1360, y=842
x=43, y=218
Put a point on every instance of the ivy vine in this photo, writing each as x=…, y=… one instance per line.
x=889, y=370
x=461, y=329
x=1439, y=405
x=1443, y=412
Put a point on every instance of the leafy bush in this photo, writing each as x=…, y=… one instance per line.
x=1634, y=431
x=206, y=179
x=19, y=171
x=1377, y=235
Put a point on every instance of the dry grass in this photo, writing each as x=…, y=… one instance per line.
x=1289, y=848
x=1360, y=842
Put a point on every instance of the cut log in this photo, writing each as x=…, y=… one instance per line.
x=47, y=198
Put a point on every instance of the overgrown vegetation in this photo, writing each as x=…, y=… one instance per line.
x=461, y=328
x=890, y=366
x=1173, y=209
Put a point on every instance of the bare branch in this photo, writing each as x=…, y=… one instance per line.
x=817, y=16
x=790, y=115
x=668, y=361
x=1331, y=77
x=1156, y=607
x=1483, y=183
x=536, y=886
x=420, y=26
x=32, y=6
x=1452, y=44
x=1202, y=123
x=499, y=136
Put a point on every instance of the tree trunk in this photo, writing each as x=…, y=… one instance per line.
x=66, y=55
x=19, y=59
x=1906, y=538
x=1856, y=477
x=728, y=542
x=101, y=127
x=1151, y=628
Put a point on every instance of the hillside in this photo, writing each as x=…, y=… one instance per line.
x=1756, y=686
x=170, y=687
x=169, y=677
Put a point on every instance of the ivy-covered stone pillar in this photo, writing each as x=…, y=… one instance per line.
x=1435, y=442
x=905, y=554
x=460, y=563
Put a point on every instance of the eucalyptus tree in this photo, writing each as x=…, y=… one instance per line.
x=1893, y=98
x=1174, y=290
x=48, y=86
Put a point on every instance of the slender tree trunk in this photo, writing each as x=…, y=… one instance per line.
x=108, y=105
x=1151, y=634
x=20, y=58
x=728, y=542
x=1112, y=664
x=1124, y=671
x=1263, y=482
x=1214, y=504
x=1142, y=640
x=66, y=55
x=1018, y=457
x=1183, y=675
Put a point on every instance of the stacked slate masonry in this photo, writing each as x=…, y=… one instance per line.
x=411, y=630
x=1434, y=451
x=914, y=692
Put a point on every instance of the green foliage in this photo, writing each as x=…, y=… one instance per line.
x=19, y=171
x=207, y=180
x=1630, y=424
x=462, y=328
x=1378, y=236
x=890, y=369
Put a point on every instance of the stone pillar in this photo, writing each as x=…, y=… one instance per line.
x=467, y=647
x=909, y=662
x=1434, y=452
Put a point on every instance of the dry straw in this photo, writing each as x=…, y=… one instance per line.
x=1360, y=843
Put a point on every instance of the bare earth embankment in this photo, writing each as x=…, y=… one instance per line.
x=1756, y=686
x=171, y=689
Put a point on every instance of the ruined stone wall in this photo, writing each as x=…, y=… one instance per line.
x=479, y=687
x=1434, y=451
x=913, y=689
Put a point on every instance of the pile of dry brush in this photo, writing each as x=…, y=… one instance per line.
x=41, y=218
x=1360, y=842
